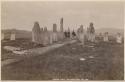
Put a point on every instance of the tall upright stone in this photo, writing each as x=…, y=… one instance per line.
x=41, y=29
x=36, y=34
x=61, y=25
x=54, y=37
x=13, y=35
x=88, y=34
x=91, y=32
x=46, y=36
x=69, y=34
x=45, y=29
x=81, y=34
x=42, y=34
x=61, y=34
x=100, y=36
x=105, y=38
x=54, y=28
x=119, y=38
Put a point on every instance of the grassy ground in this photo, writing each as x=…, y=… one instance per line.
x=64, y=63
x=21, y=43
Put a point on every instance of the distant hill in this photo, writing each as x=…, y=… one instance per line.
x=28, y=34
x=19, y=33
x=111, y=31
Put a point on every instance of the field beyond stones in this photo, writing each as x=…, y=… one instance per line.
x=64, y=63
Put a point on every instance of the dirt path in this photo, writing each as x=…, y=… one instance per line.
x=36, y=52
x=48, y=48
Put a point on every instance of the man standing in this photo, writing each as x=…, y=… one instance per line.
x=73, y=34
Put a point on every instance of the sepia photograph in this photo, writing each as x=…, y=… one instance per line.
x=62, y=40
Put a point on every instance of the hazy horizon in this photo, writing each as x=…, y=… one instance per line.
x=22, y=15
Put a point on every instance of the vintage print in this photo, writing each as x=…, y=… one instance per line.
x=62, y=41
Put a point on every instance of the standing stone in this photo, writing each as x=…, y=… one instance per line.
x=69, y=34
x=51, y=37
x=61, y=25
x=55, y=33
x=119, y=38
x=91, y=32
x=78, y=30
x=41, y=29
x=106, y=37
x=100, y=36
x=65, y=34
x=46, y=36
x=81, y=34
x=61, y=34
x=13, y=35
x=45, y=29
x=88, y=34
x=54, y=28
x=36, y=34
x=42, y=35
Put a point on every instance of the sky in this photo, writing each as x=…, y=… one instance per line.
x=22, y=15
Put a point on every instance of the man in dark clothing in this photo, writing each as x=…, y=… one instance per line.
x=68, y=34
x=73, y=34
x=65, y=33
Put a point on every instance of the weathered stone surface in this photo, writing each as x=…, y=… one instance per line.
x=46, y=36
x=41, y=29
x=54, y=34
x=61, y=25
x=69, y=33
x=36, y=34
x=51, y=38
x=119, y=38
x=88, y=34
x=105, y=38
x=12, y=37
x=42, y=35
x=11, y=48
x=45, y=29
x=21, y=52
x=81, y=34
x=91, y=33
x=61, y=34
x=54, y=28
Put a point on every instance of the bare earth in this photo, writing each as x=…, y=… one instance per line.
x=64, y=64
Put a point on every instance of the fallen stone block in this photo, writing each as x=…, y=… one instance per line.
x=91, y=56
x=20, y=52
x=11, y=48
x=82, y=59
